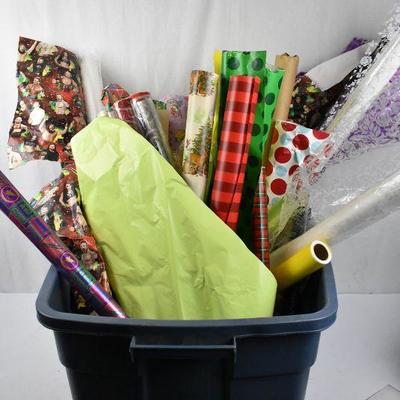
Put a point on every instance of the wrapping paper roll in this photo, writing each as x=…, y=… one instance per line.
x=177, y=112
x=344, y=117
x=92, y=84
x=215, y=131
x=59, y=204
x=233, y=149
x=289, y=64
x=306, y=261
x=260, y=220
x=122, y=109
x=250, y=63
x=370, y=207
x=146, y=113
x=162, y=111
x=13, y=204
x=199, y=125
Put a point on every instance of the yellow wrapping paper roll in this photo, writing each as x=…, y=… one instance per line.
x=303, y=263
x=289, y=64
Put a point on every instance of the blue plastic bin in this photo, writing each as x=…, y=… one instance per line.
x=247, y=359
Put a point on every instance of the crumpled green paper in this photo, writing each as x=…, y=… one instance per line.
x=168, y=255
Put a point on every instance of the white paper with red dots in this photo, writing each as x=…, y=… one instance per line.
x=296, y=151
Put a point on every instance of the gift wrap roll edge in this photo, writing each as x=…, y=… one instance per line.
x=307, y=260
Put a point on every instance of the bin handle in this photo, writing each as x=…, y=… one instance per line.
x=182, y=351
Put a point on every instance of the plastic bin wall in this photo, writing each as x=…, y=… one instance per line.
x=262, y=358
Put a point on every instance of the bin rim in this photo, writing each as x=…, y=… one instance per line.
x=272, y=326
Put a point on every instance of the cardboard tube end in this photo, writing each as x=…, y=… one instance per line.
x=321, y=252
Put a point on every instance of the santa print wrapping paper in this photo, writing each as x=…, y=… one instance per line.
x=234, y=147
x=50, y=107
x=59, y=204
x=296, y=151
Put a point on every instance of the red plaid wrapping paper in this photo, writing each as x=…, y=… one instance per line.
x=234, y=147
x=123, y=110
x=260, y=220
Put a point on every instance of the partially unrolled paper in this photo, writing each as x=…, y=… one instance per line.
x=307, y=260
x=289, y=64
x=346, y=118
x=92, y=84
x=373, y=205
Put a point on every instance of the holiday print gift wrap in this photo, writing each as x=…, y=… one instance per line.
x=21, y=213
x=260, y=220
x=296, y=151
x=234, y=147
x=155, y=271
x=316, y=92
x=50, y=107
x=310, y=103
x=199, y=125
x=177, y=112
x=59, y=205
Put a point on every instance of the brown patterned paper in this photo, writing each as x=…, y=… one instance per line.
x=50, y=107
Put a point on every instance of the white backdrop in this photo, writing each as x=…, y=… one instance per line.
x=153, y=45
